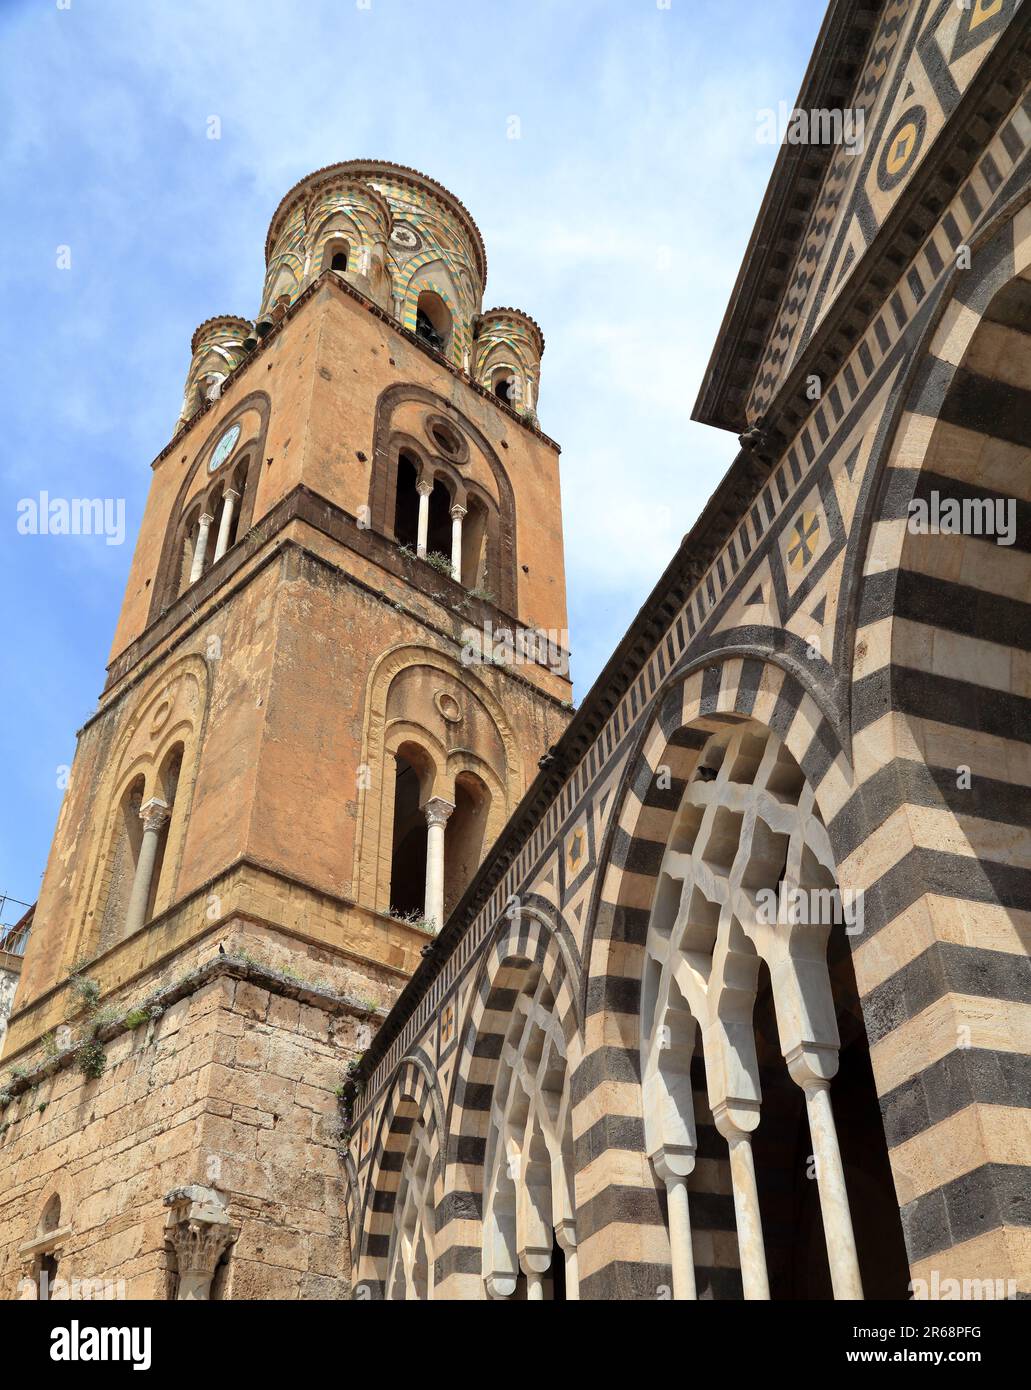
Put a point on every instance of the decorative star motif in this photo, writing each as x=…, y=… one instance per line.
x=805, y=540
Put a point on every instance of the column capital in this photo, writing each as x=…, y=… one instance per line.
x=233, y=493
x=424, y=487
x=812, y=1065
x=735, y=1118
x=535, y=1260
x=154, y=813
x=206, y=518
x=438, y=810
x=199, y=1233
x=673, y=1165
x=198, y=1246
x=565, y=1234
x=457, y=512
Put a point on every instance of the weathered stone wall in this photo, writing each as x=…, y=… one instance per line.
x=8, y=984
x=231, y=1086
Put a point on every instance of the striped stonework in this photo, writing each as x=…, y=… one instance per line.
x=887, y=662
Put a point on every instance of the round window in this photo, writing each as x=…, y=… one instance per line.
x=446, y=440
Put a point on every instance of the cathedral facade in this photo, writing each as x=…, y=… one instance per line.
x=363, y=966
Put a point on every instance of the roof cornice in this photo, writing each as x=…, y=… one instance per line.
x=784, y=216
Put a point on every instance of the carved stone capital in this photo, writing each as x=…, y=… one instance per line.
x=565, y=1234
x=154, y=813
x=535, y=1260
x=673, y=1164
x=438, y=811
x=457, y=512
x=424, y=487
x=199, y=1233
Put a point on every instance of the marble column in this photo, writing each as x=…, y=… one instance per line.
x=457, y=513
x=681, y=1246
x=830, y=1180
x=565, y=1235
x=154, y=814
x=755, y=1281
x=226, y=521
x=200, y=550
x=423, y=489
x=437, y=812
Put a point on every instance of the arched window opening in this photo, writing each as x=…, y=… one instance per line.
x=47, y=1246
x=433, y=321
x=438, y=533
x=505, y=385
x=215, y=508
x=46, y=1275
x=529, y=1209
x=233, y=502
x=336, y=255
x=406, y=507
x=168, y=781
x=474, y=545
x=745, y=937
x=408, y=857
x=189, y=544
x=51, y=1218
x=199, y=543
x=410, y=1256
x=464, y=837
x=120, y=867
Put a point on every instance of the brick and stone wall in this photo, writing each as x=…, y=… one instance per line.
x=222, y=1071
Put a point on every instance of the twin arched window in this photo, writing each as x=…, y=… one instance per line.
x=209, y=528
x=443, y=520
x=412, y=872
x=134, y=869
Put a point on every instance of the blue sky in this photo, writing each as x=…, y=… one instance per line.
x=618, y=220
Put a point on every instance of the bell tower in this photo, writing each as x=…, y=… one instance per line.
x=341, y=653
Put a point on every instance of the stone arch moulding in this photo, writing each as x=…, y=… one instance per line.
x=1001, y=252
x=254, y=444
x=532, y=934
x=384, y=478
x=375, y=800
x=524, y=954
x=412, y=1094
x=170, y=710
x=686, y=709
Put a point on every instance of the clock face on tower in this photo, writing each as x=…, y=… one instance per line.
x=224, y=448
